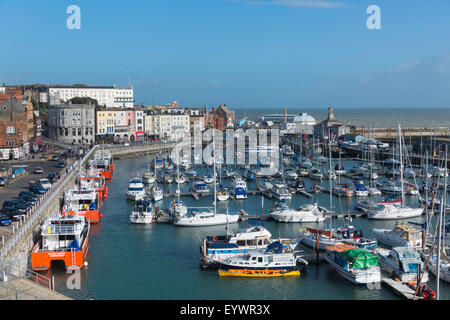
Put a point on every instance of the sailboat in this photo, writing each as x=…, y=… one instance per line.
x=177, y=207
x=149, y=177
x=395, y=210
x=207, y=217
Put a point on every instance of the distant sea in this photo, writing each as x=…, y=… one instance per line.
x=367, y=117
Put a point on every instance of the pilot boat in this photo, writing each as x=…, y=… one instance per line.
x=63, y=238
x=254, y=238
x=273, y=262
x=359, y=266
x=401, y=236
x=136, y=190
x=83, y=202
x=403, y=263
x=142, y=212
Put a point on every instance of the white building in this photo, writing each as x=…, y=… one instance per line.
x=109, y=97
x=169, y=126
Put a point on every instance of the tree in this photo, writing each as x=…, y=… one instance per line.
x=84, y=100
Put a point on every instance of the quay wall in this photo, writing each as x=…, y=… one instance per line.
x=122, y=151
x=391, y=133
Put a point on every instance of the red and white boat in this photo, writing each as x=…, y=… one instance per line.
x=83, y=202
x=64, y=238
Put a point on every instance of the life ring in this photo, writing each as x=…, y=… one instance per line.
x=215, y=238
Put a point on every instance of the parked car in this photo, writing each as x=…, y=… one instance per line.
x=4, y=181
x=28, y=194
x=4, y=220
x=21, y=205
x=38, y=170
x=31, y=200
x=8, y=203
x=12, y=213
x=37, y=189
x=45, y=183
x=61, y=164
x=52, y=177
x=54, y=157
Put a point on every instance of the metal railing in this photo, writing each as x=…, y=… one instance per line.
x=38, y=209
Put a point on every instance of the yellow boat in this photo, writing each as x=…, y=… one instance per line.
x=257, y=273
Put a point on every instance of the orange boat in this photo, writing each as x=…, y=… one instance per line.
x=63, y=238
x=82, y=202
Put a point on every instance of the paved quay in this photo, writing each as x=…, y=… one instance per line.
x=24, y=289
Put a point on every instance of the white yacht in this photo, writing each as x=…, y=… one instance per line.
x=223, y=195
x=200, y=187
x=142, y=212
x=208, y=179
x=361, y=190
x=239, y=188
x=177, y=208
x=392, y=211
x=149, y=178
x=315, y=174
x=181, y=179
x=205, y=218
x=136, y=190
x=280, y=191
x=157, y=193
x=306, y=213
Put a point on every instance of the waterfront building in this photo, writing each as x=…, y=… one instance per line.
x=106, y=96
x=333, y=126
x=7, y=93
x=15, y=133
x=72, y=123
x=227, y=115
x=105, y=121
x=139, y=124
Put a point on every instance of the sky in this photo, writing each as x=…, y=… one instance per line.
x=247, y=54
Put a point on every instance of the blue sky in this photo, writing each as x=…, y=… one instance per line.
x=244, y=53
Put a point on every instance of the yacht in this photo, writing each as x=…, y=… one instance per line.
x=191, y=173
x=149, y=178
x=392, y=211
x=157, y=193
x=401, y=262
x=322, y=159
x=342, y=190
x=311, y=236
x=306, y=213
x=239, y=188
x=272, y=262
x=361, y=190
x=303, y=172
x=254, y=238
x=142, y=212
x=371, y=175
x=339, y=169
x=373, y=191
x=297, y=185
x=265, y=185
x=200, y=187
x=444, y=269
x=196, y=218
x=315, y=174
x=359, y=266
x=291, y=175
x=208, y=179
x=136, y=190
x=401, y=236
x=181, y=179
x=280, y=191
x=391, y=187
x=177, y=208
x=305, y=163
x=223, y=194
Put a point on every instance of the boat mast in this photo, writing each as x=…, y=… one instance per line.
x=214, y=161
x=401, y=163
x=441, y=212
x=329, y=174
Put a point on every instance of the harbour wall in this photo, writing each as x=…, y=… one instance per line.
x=140, y=149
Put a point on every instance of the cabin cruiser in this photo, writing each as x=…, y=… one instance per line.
x=410, y=189
x=239, y=188
x=149, y=178
x=280, y=191
x=142, y=212
x=358, y=266
x=168, y=178
x=342, y=190
x=315, y=174
x=157, y=193
x=311, y=236
x=364, y=205
x=351, y=235
x=250, y=175
x=136, y=190
x=228, y=173
x=208, y=179
x=197, y=218
x=361, y=190
x=305, y=213
x=401, y=236
x=223, y=194
x=272, y=262
x=373, y=191
x=256, y=237
x=291, y=174
x=265, y=185
x=177, y=208
x=339, y=169
x=200, y=187
x=392, y=210
x=297, y=185
x=401, y=262
x=391, y=187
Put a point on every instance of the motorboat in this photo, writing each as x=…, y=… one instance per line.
x=272, y=262
x=208, y=179
x=364, y=205
x=402, y=235
x=177, y=208
x=305, y=163
x=156, y=193
x=322, y=159
x=223, y=194
x=239, y=188
x=63, y=238
x=250, y=175
x=149, y=178
x=391, y=188
x=287, y=150
x=280, y=191
x=342, y=190
x=403, y=263
x=371, y=175
x=330, y=174
x=359, y=266
x=393, y=211
x=191, y=173
x=339, y=169
x=410, y=189
x=318, y=238
x=253, y=238
x=444, y=272
x=307, y=213
x=196, y=218
x=200, y=187
x=354, y=236
x=291, y=175
x=373, y=191
x=315, y=174
x=303, y=172
x=361, y=190
x=181, y=179
x=142, y=213
x=265, y=185
x=168, y=178
x=297, y=185
x=136, y=190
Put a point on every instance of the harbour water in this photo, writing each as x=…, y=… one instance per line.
x=161, y=261
x=365, y=117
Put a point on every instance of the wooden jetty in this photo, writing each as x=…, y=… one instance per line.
x=399, y=288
